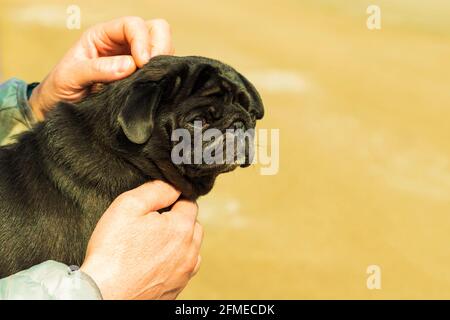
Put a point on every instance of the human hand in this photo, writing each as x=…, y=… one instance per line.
x=106, y=52
x=137, y=253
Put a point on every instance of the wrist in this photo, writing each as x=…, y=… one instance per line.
x=36, y=103
x=98, y=276
x=90, y=286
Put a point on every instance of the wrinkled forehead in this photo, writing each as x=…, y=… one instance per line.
x=166, y=66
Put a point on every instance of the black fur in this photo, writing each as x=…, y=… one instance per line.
x=58, y=179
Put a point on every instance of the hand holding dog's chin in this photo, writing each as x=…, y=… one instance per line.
x=137, y=253
x=106, y=52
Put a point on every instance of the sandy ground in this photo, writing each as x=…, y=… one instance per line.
x=364, y=174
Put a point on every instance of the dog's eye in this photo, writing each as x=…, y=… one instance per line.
x=199, y=122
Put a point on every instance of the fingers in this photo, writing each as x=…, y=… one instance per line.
x=148, y=197
x=103, y=69
x=198, y=236
x=110, y=44
x=160, y=37
x=185, y=209
x=197, y=266
x=129, y=32
x=142, y=39
x=197, y=242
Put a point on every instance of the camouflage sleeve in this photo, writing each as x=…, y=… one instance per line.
x=15, y=112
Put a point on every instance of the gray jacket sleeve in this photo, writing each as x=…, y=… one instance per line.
x=50, y=280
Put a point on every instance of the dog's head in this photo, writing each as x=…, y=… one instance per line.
x=172, y=97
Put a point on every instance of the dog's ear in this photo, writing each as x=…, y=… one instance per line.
x=136, y=117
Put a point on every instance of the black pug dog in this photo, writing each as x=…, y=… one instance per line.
x=59, y=178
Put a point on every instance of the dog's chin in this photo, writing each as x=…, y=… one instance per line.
x=205, y=170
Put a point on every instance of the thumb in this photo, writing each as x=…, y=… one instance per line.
x=103, y=69
x=147, y=198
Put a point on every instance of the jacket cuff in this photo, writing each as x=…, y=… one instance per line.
x=14, y=95
x=23, y=92
x=16, y=115
x=50, y=280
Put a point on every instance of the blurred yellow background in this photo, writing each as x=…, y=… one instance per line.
x=364, y=175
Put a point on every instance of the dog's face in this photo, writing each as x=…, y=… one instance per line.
x=187, y=95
